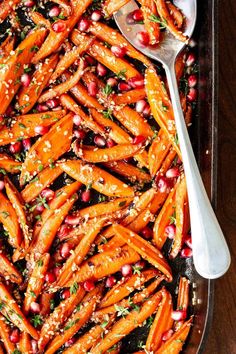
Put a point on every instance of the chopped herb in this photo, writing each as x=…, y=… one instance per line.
x=3, y=171
x=71, y=324
x=5, y=214
x=74, y=287
x=27, y=69
x=36, y=320
x=40, y=168
x=46, y=116
x=18, y=65
x=112, y=348
x=136, y=269
x=32, y=293
x=164, y=108
x=89, y=186
x=102, y=198
x=121, y=204
x=107, y=90
x=121, y=74
x=150, y=321
x=52, y=304
x=1, y=305
x=121, y=310
x=40, y=263
x=35, y=48
x=176, y=139
x=183, y=85
x=104, y=324
x=78, y=307
x=41, y=201
x=22, y=125
x=107, y=114
x=16, y=351
x=172, y=218
x=38, y=217
x=107, y=44
x=159, y=20
x=19, y=52
x=179, y=341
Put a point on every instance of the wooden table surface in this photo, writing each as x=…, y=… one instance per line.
x=222, y=336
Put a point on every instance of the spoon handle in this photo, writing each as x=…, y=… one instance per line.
x=210, y=251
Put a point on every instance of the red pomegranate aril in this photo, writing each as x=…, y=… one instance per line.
x=70, y=342
x=90, y=60
x=54, y=12
x=137, y=15
x=15, y=336
x=65, y=294
x=101, y=70
x=92, y=88
x=192, y=80
x=26, y=143
x=48, y=194
x=53, y=103
x=25, y=80
x=110, y=143
x=84, y=24
x=140, y=264
x=170, y=231
x=79, y=134
x=138, y=139
x=147, y=110
x=89, y=285
x=163, y=185
x=172, y=172
x=190, y=59
x=167, y=335
x=42, y=108
x=35, y=307
x=63, y=231
x=110, y=281
x=77, y=119
x=143, y=38
x=99, y=141
x=29, y=3
x=136, y=82
x=59, y=26
x=73, y=220
x=178, y=315
x=86, y=196
x=39, y=209
x=140, y=106
x=126, y=270
x=41, y=130
x=188, y=241
x=65, y=250
x=112, y=81
x=34, y=346
x=2, y=185
x=192, y=94
x=130, y=19
x=50, y=277
x=15, y=148
x=186, y=252
x=124, y=86
x=147, y=232
x=56, y=271
x=118, y=51
x=96, y=15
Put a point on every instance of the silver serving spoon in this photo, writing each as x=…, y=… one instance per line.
x=210, y=252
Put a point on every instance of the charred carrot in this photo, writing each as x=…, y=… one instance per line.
x=4, y=335
x=8, y=271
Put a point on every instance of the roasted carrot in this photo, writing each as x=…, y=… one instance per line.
x=8, y=271
x=6, y=8
x=11, y=310
x=150, y=17
x=100, y=180
x=46, y=301
x=130, y=97
x=6, y=47
x=65, y=6
x=129, y=171
x=39, y=19
x=183, y=294
x=7, y=164
x=176, y=14
x=47, y=149
x=4, y=335
x=25, y=343
x=82, y=96
x=158, y=152
x=180, y=65
x=111, y=6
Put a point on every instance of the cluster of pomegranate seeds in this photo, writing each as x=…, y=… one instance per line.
x=126, y=270
x=100, y=141
x=48, y=194
x=173, y=172
x=167, y=335
x=25, y=80
x=143, y=38
x=79, y=134
x=101, y=70
x=26, y=143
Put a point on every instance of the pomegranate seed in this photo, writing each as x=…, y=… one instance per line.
x=15, y=335
x=2, y=185
x=147, y=232
x=56, y=271
x=124, y=86
x=186, y=252
x=147, y=110
x=112, y=81
x=72, y=220
x=167, y=335
x=53, y=103
x=90, y=60
x=26, y=143
x=163, y=184
x=77, y=119
x=136, y=82
x=65, y=250
x=63, y=231
x=54, y=12
x=34, y=346
x=126, y=270
x=192, y=94
x=86, y=196
x=15, y=147
x=118, y=51
x=35, y=307
x=41, y=130
x=101, y=70
x=79, y=134
x=50, y=277
x=130, y=19
x=65, y=294
x=140, y=264
x=39, y=208
x=140, y=106
x=48, y=194
x=99, y=141
x=178, y=315
x=25, y=80
x=137, y=15
x=110, y=143
x=188, y=241
x=89, y=285
x=59, y=26
x=110, y=282
x=29, y=3
x=42, y=108
x=92, y=88
x=190, y=59
x=96, y=15
x=192, y=80
x=70, y=342
x=84, y=24
x=170, y=231
x=143, y=38
x=138, y=139
x=172, y=172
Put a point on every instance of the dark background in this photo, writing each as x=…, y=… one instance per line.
x=222, y=336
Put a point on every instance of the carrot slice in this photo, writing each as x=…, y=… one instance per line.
x=25, y=343
x=11, y=310
x=47, y=149
x=158, y=152
x=100, y=180
x=129, y=171
x=8, y=271
x=111, y=6
x=4, y=335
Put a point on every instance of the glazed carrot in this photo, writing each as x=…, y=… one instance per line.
x=163, y=219
x=77, y=320
x=14, y=67
x=8, y=271
x=181, y=216
x=162, y=322
x=6, y=8
x=39, y=81
x=149, y=10
x=125, y=325
x=11, y=310
x=79, y=253
x=111, y=6
x=180, y=65
x=9, y=219
x=66, y=7
x=55, y=320
x=43, y=180
x=54, y=39
x=183, y=294
x=113, y=37
x=36, y=281
x=7, y=164
x=71, y=56
x=82, y=96
x=25, y=343
x=129, y=97
x=24, y=126
x=4, y=335
x=176, y=14
x=167, y=162
x=175, y=343
x=39, y=19
x=163, y=11
x=100, y=180
x=145, y=249
x=46, y=302
x=158, y=152
x=129, y=171
x=105, y=263
x=47, y=149
x=6, y=47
